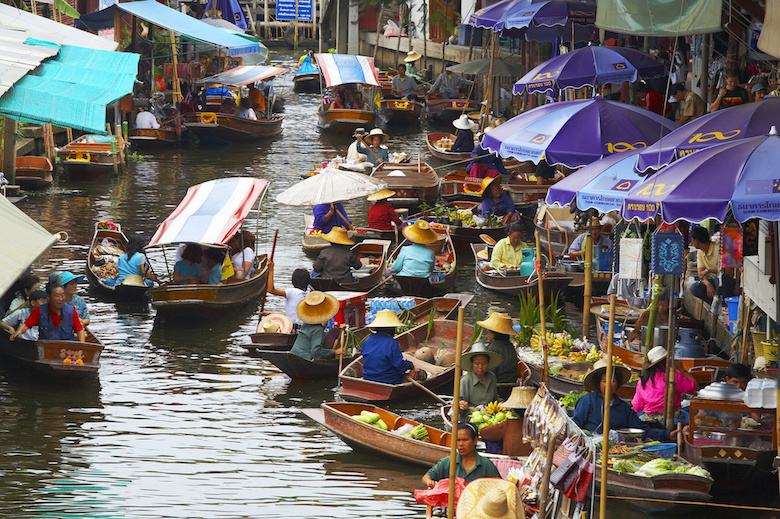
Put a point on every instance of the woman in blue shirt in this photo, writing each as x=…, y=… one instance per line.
x=375, y=153
x=496, y=201
x=133, y=262
x=382, y=358
x=416, y=260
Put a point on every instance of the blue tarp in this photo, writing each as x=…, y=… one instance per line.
x=307, y=67
x=72, y=89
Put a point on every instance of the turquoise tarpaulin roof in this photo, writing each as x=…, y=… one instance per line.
x=159, y=14
x=72, y=89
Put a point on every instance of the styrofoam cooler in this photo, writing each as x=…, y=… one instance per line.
x=761, y=393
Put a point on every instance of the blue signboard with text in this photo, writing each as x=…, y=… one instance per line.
x=285, y=10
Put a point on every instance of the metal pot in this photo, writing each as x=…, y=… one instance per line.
x=572, y=266
x=688, y=351
x=690, y=336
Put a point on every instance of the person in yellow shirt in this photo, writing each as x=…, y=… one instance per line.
x=708, y=265
x=509, y=251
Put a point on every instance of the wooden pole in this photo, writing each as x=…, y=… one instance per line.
x=379, y=28
x=588, y=290
x=273, y=251
x=607, y=402
x=265, y=19
x=545, y=371
x=400, y=28
x=669, y=401
x=484, y=120
x=175, y=82
x=295, y=40
x=743, y=353
x=9, y=149
x=455, y=415
x=544, y=490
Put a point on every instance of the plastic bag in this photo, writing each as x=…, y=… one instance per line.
x=438, y=495
x=391, y=29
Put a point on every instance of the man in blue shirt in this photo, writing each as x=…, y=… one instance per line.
x=382, y=358
x=328, y=216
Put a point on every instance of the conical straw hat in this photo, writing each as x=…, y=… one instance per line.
x=420, y=232
x=338, y=235
x=499, y=323
x=386, y=319
x=317, y=307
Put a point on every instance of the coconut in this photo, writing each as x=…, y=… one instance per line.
x=445, y=357
x=425, y=354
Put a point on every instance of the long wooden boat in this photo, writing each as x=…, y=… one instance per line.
x=443, y=335
x=311, y=83
x=447, y=110
x=298, y=368
x=373, y=254
x=433, y=141
x=552, y=283
x=413, y=183
x=463, y=235
x=219, y=127
x=48, y=356
x=97, y=250
x=33, y=173
x=562, y=386
x=270, y=342
x=81, y=157
x=153, y=137
x=343, y=119
x=313, y=242
x=337, y=416
x=400, y=112
x=456, y=185
x=424, y=287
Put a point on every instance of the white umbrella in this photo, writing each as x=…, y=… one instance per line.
x=332, y=185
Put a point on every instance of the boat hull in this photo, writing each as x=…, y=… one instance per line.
x=33, y=173
x=424, y=287
x=153, y=137
x=419, y=183
x=399, y=112
x=46, y=357
x=270, y=342
x=377, y=249
x=231, y=128
x=307, y=83
x=447, y=110
x=669, y=487
x=90, y=159
x=298, y=368
x=343, y=119
x=552, y=283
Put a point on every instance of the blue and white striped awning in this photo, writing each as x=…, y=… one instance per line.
x=340, y=69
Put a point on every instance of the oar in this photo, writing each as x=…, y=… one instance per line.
x=273, y=251
x=341, y=345
x=434, y=395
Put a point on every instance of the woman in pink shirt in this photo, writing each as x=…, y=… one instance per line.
x=649, y=396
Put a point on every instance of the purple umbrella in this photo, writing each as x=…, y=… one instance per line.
x=741, y=174
x=546, y=20
x=589, y=66
x=576, y=133
x=738, y=122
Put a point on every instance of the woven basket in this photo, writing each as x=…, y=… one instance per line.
x=758, y=337
x=770, y=351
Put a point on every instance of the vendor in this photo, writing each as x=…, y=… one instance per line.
x=589, y=410
x=382, y=358
x=600, y=242
x=464, y=142
x=56, y=319
x=509, y=251
x=651, y=388
x=447, y=85
x=416, y=260
x=316, y=309
x=328, y=216
x=485, y=164
x=337, y=261
x=381, y=215
x=661, y=318
x=739, y=375
x=495, y=201
x=499, y=330
x=708, y=266
x=479, y=385
x=403, y=86
x=409, y=60
x=468, y=464
x=375, y=153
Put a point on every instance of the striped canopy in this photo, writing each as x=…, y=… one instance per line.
x=241, y=76
x=210, y=213
x=340, y=69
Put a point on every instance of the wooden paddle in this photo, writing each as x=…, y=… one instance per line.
x=341, y=345
x=273, y=251
x=434, y=395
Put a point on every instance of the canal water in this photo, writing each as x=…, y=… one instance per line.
x=181, y=422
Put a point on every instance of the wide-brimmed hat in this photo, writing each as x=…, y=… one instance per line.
x=66, y=277
x=339, y=236
x=592, y=380
x=380, y=195
x=499, y=323
x=758, y=87
x=275, y=323
x=494, y=359
x=420, y=232
x=133, y=280
x=412, y=56
x=520, y=398
x=490, y=498
x=464, y=123
x=656, y=355
x=386, y=319
x=378, y=131
x=359, y=131
x=317, y=307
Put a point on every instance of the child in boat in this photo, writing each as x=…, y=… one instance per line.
x=12, y=321
x=651, y=388
x=214, y=259
x=382, y=358
x=293, y=296
x=186, y=270
x=316, y=309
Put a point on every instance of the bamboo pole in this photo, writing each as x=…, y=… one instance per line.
x=265, y=19
x=295, y=40
x=455, y=415
x=484, y=120
x=177, y=97
x=400, y=28
x=670, y=375
x=588, y=290
x=607, y=402
x=544, y=490
x=379, y=28
x=543, y=340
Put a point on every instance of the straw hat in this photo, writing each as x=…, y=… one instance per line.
x=339, y=236
x=377, y=131
x=494, y=359
x=412, y=56
x=499, y=323
x=520, y=398
x=464, y=123
x=592, y=380
x=317, y=307
x=495, y=123
x=490, y=498
x=380, y=195
x=386, y=319
x=275, y=323
x=656, y=355
x=420, y=232
x=486, y=183
x=133, y=280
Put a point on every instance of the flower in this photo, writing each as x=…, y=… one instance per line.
x=107, y=224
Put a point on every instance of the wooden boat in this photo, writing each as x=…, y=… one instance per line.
x=153, y=137
x=47, y=356
x=33, y=173
x=298, y=368
x=270, y=342
x=458, y=186
x=98, y=250
x=447, y=110
x=462, y=235
x=599, y=285
x=313, y=242
x=562, y=386
x=337, y=416
x=400, y=112
x=355, y=387
x=415, y=184
x=373, y=254
x=81, y=157
x=441, y=152
x=343, y=119
x=311, y=83
x=219, y=127
x=505, y=282
x=525, y=192
x=424, y=287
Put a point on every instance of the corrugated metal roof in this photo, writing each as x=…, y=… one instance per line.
x=18, y=58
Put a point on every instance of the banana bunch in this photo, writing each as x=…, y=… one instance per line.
x=558, y=344
x=420, y=433
x=576, y=356
x=594, y=355
x=494, y=408
x=466, y=217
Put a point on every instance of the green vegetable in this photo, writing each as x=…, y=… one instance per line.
x=554, y=371
x=698, y=471
x=570, y=400
x=364, y=419
x=624, y=466
x=381, y=424
x=374, y=417
x=658, y=466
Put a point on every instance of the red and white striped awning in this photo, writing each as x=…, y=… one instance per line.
x=210, y=213
x=240, y=76
x=340, y=69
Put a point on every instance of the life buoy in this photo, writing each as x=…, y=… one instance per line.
x=79, y=156
x=208, y=117
x=196, y=69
